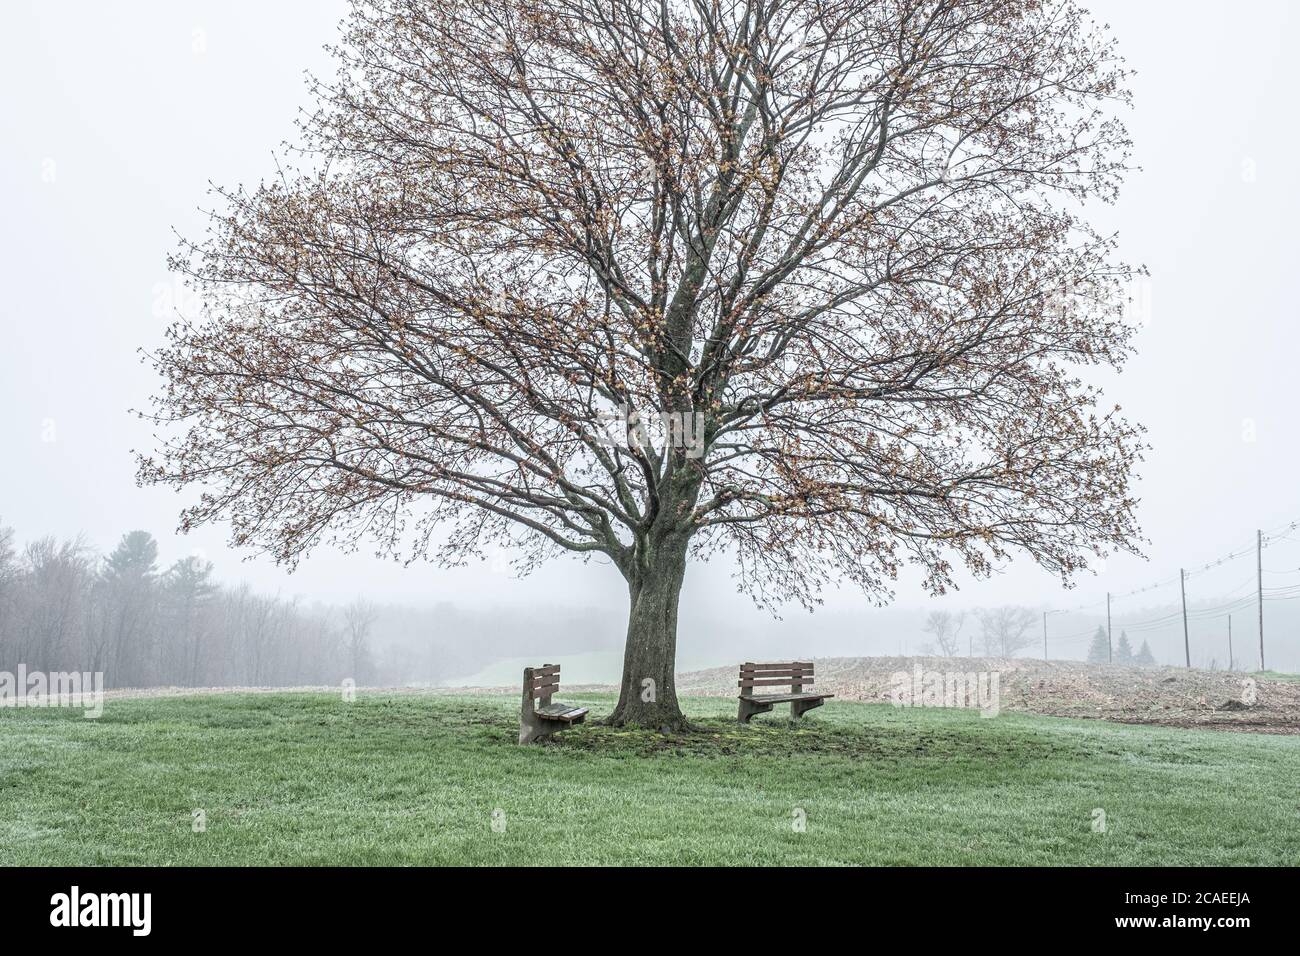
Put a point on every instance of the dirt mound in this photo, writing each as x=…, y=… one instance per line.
x=1165, y=696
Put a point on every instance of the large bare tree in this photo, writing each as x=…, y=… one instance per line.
x=1005, y=630
x=837, y=248
x=945, y=628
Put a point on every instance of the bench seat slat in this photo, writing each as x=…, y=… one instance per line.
x=783, y=698
x=565, y=712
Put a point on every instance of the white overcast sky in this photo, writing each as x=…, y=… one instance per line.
x=114, y=117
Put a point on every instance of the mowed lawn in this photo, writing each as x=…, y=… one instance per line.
x=416, y=779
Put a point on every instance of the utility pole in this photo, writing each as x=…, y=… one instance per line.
x=1044, y=635
x=1182, y=586
x=1110, y=653
x=1230, y=667
x=1259, y=578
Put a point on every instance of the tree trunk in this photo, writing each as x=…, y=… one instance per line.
x=648, y=692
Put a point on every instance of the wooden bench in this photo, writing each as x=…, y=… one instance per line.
x=792, y=674
x=540, y=721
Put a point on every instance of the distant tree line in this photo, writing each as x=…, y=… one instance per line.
x=997, y=632
x=1003, y=631
x=63, y=608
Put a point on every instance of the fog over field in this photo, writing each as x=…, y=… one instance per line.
x=124, y=120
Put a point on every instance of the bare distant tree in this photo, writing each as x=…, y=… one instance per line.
x=9, y=578
x=835, y=248
x=1006, y=630
x=359, y=618
x=257, y=619
x=8, y=562
x=51, y=597
x=945, y=626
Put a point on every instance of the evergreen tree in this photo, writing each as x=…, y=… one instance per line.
x=129, y=589
x=1144, y=656
x=188, y=592
x=1123, y=650
x=134, y=559
x=1099, y=650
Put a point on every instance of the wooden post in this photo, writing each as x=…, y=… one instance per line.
x=1182, y=587
x=1044, y=635
x=1259, y=579
x=1110, y=645
x=1230, y=667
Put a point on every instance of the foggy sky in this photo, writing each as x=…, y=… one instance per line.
x=115, y=117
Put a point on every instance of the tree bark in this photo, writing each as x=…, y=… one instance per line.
x=648, y=692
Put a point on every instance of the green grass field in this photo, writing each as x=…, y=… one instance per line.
x=400, y=779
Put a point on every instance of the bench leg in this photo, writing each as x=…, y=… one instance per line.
x=799, y=707
x=749, y=708
x=533, y=730
x=536, y=728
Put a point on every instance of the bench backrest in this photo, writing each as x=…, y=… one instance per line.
x=542, y=682
x=794, y=674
